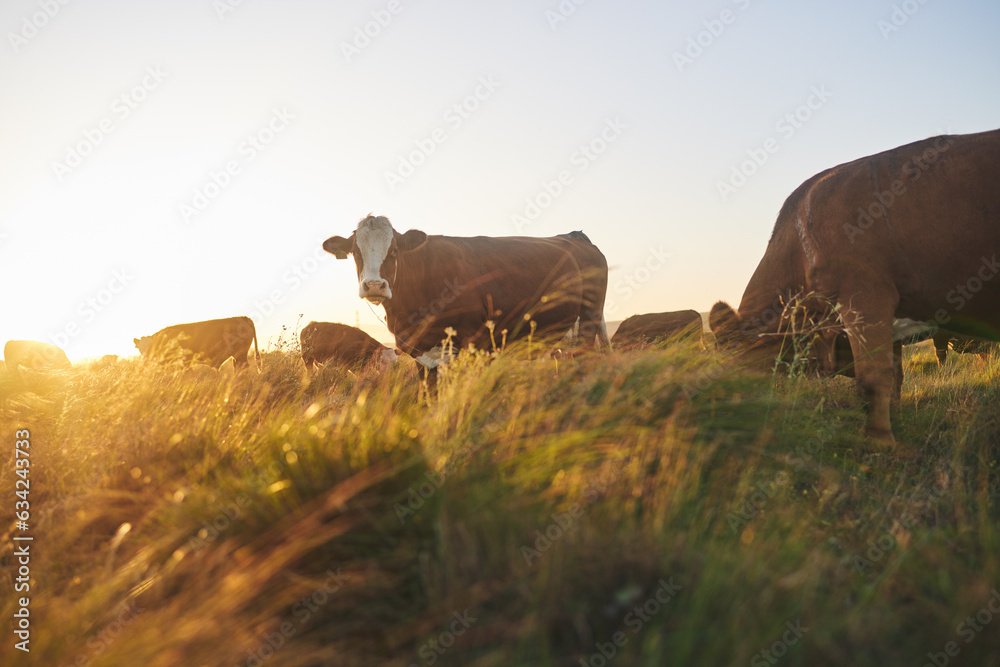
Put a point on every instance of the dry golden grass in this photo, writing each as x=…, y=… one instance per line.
x=524, y=514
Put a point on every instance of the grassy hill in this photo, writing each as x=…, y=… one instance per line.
x=660, y=507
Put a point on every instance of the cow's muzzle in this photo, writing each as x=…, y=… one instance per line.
x=376, y=291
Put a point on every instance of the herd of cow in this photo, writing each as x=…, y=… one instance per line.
x=912, y=233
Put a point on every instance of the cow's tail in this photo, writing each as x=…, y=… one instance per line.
x=255, y=350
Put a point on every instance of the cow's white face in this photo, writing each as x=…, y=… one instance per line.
x=374, y=241
x=375, y=246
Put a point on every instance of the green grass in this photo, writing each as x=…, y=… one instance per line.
x=525, y=514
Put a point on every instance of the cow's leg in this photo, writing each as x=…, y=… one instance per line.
x=825, y=355
x=602, y=334
x=870, y=333
x=593, y=330
x=897, y=368
x=941, y=346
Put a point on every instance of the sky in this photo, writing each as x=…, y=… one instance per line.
x=184, y=161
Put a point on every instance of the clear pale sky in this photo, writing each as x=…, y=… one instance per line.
x=184, y=161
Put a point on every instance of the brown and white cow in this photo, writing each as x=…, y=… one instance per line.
x=34, y=355
x=344, y=345
x=428, y=284
x=646, y=328
x=210, y=342
x=912, y=232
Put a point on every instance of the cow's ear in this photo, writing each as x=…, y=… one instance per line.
x=724, y=323
x=411, y=240
x=136, y=341
x=338, y=246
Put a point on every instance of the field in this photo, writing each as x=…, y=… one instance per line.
x=658, y=507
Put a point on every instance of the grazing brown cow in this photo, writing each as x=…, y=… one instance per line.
x=962, y=345
x=646, y=328
x=210, y=342
x=912, y=232
x=34, y=355
x=430, y=283
x=911, y=332
x=344, y=345
x=840, y=360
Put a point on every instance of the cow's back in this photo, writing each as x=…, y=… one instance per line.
x=210, y=341
x=34, y=354
x=925, y=217
x=325, y=341
x=650, y=326
x=464, y=282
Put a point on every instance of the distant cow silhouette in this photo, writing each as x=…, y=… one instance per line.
x=210, y=342
x=646, y=328
x=910, y=332
x=344, y=345
x=835, y=356
x=961, y=345
x=34, y=355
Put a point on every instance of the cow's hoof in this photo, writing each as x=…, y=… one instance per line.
x=881, y=436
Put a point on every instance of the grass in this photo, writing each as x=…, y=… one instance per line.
x=650, y=507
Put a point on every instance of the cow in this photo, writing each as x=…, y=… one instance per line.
x=915, y=332
x=839, y=360
x=198, y=371
x=210, y=342
x=960, y=344
x=34, y=355
x=911, y=232
x=476, y=290
x=639, y=329
x=344, y=345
